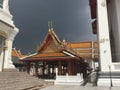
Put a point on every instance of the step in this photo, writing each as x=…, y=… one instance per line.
x=14, y=80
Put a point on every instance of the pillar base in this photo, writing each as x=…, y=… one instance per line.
x=9, y=65
x=105, y=80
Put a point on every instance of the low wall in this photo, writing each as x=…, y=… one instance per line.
x=69, y=80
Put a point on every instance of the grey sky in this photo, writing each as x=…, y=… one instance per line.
x=71, y=20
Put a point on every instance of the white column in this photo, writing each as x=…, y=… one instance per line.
x=1, y=59
x=8, y=59
x=103, y=36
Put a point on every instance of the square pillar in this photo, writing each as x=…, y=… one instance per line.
x=103, y=36
x=78, y=67
x=36, y=69
x=43, y=68
x=49, y=70
x=59, y=68
x=107, y=76
x=69, y=68
x=53, y=68
x=28, y=67
x=75, y=64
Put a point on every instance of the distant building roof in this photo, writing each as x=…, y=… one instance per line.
x=86, y=49
x=17, y=53
x=52, y=49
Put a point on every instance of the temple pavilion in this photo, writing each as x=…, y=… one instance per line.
x=53, y=57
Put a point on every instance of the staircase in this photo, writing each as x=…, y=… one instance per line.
x=11, y=79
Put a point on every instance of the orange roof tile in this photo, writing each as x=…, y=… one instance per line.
x=14, y=53
x=49, y=37
x=48, y=55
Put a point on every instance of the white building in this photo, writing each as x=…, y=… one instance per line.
x=8, y=32
x=106, y=14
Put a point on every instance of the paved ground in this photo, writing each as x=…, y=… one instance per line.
x=69, y=87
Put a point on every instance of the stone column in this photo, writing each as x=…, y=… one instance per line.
x=103, y=36
x=73, y=68
x=78, y=67
x=49, y=70
x=59, y=68
x=2, y=58
x=53, y=68
x=105, y=73
x=36, y=69
x=69, y=68
x=8, y=49
x=8, y=59
x=28, y=67
x=43, y=73
x=75, y=64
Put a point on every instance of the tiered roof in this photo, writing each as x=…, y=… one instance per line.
x=51, y=43
x=52, y=49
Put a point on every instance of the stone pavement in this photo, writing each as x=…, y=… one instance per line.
x=70, y=87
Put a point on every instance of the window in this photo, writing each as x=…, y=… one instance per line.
x=1, y=2
x=2, y=39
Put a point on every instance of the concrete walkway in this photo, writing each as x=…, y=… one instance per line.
x=69, y=87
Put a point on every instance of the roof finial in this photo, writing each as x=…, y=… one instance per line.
x=64, y=44
x=64, y=40
x=50, y=25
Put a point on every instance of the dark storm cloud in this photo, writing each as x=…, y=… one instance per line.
x=71, y=20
